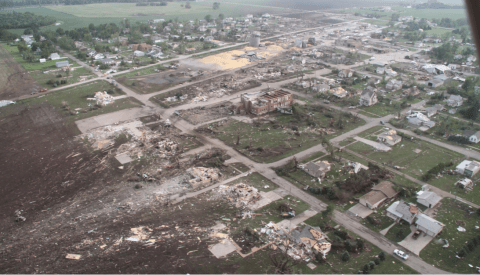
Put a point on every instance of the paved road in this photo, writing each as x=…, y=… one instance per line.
x=264, y=169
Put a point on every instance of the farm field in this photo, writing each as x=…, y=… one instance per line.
x=73, y=77
x=453, y=14
x=78, y=16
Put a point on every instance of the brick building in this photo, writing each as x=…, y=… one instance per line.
x=264, y=102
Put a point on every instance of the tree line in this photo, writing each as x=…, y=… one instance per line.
x=19, y=20
x=10, y=3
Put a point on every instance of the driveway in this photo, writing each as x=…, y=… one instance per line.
x=417, y=245
x=360, y=211
x=376, y=145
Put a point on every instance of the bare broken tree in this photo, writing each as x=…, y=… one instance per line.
x=282, y=262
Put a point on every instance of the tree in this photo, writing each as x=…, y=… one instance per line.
x=81, y=55
x=327, y=211
x=360, y=244
x=60, y=31
x=221, y=16
x=381, y=256
x=208, y=18
x=282, y=262
x=365, y=269
x=216, y=5
x=371, y=264
x=188, y=6
x=376, y=261
x=345, y=256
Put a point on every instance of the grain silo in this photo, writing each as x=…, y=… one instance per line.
x=254, y=40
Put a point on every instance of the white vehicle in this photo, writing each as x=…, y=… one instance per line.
x=400, y=254
x=372, y=58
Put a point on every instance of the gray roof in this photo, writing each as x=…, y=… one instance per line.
x=429, y=223
x=61, y=63
x=403, y=210
x=431, y=197
x=468, y=133
x=368, y=93
x=455, y=98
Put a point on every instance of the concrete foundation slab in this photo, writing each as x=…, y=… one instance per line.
x=123, y=158
x=223, y=248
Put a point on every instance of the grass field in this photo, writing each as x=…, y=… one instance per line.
x=32, y=66
x=403, y=155
x=78, y=16
x=449, y=213
x=74, y=76
x=76, y=97
x=376, y=22
x=453, y=14
x=269, y=143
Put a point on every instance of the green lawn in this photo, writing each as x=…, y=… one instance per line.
x=450, y=213
x=398, y=232
x=74, y=76
x=145, y=71
x=76, y=97
x=33, y=66
x=256, y=180
x=270, y=142
x=376, y=22
x=402, y=154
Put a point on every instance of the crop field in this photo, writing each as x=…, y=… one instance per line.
x=78, y=16
x=453, y=14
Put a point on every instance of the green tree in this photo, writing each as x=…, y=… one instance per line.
x=381, y=256
x=188, y=6
x=208, y=18
x=366, y=269
x=216, y=5
x=345, y=256
x=371, y=264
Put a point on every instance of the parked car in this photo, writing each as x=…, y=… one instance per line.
x=416, y=234
x=326, y=102
x=400, y=254
x=381, y=122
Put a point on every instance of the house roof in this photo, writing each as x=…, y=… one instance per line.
x=368, y=93
x=455, y=98
x=403, y=210
x=429, y=223
x=431, y=197
x=468, y=133
x=386, y=187
x=380, y=192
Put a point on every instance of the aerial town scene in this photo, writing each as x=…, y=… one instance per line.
x=239, y=136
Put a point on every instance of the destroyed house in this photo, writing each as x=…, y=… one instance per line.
x=264, y=102
x=312, y=239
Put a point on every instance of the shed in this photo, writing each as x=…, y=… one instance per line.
x=428, y=198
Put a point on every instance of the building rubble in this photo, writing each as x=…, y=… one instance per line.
x=241, y=194
x=300, y=245
x=102, y=98
x=203, y=175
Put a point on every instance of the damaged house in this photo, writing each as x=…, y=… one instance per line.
x=368, y=97
x=311, y=240
x=400, y=210
x=389, y=138
x=316, y=169
x=264, y=102
x=379, y=194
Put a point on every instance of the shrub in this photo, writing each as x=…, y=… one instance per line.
x=371, y=264
x=365, y=269
x=376, y=261
x=345, y=256
x=360, y=244
x=381, y=256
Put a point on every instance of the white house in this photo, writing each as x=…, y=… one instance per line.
x=54, y=56
x=428, y=198
x=401, y=210
x=428, y=225
x=368, y=97
x=468, y=168
x=472, y=136
x=394, y=85
x=420, y=119
x=138, y=53
x=455, y=101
